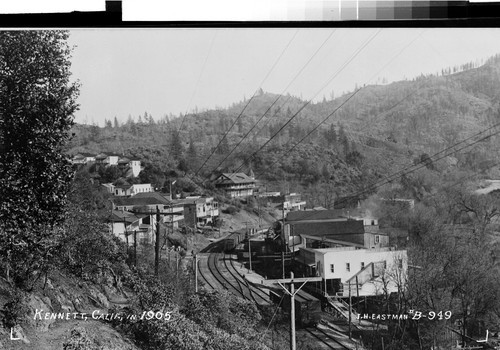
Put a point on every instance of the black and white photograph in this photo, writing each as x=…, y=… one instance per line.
x=213, y=188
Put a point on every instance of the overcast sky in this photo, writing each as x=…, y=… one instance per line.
x=163, y=71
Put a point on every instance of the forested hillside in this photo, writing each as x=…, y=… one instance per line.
x=342, y=144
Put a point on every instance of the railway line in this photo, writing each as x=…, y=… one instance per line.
x=218, y=270
x=326, y=340
x=251, y=292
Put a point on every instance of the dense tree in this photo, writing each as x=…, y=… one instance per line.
x=37, y=101
x=153, y=175
x=192, y=156
x=223, y=148
x=176, y=145
x=109, y=173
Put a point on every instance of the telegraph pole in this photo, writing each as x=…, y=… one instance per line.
x=284, y=242
x=350, y=311
x=249, y=248
x=196, y=273
x=283, y=282
x=157, y=242
x=126, y=233
x=135, y=248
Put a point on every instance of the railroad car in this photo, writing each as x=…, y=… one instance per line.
x=307, y=307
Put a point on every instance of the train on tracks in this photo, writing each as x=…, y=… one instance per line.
x=307, y=307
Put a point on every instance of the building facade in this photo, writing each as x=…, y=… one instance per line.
x=172, y=213
x=235, y=184
x=368, y=271
x=199, y=211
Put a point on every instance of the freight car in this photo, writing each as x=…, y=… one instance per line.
x=307, y=307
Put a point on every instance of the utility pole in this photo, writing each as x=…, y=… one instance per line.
x=196, y=273
x=126, y=233
x=350, y=311
x=284, y=242
x=250, y=253
x=249, y=247
x=135, y=248
x=157, y=242
x=171, y=225
x=283, y=282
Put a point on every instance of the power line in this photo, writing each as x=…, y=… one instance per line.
x=376, y=74
x=423, y=163
x=199, y=78
x=399, y=173
x=460, y=181
x=349, y=60
x=316, y=127
x=355, y=93
x=276, y=100
x=250, y=100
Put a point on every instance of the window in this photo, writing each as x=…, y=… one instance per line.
x=362, y=265
x=332, y=268
x=385, y=264
x=377, y=239
x=348, y=267
x=400, y=263
x=373, y=222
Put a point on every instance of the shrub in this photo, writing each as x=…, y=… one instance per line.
x=14, y=310
x=79, y=340
x=230, y=210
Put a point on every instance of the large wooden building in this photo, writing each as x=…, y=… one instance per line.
x=236, y=184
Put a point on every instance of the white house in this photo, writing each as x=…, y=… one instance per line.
x=134, y=166
x=367, y=271
x=83, y=158
x=199, y=210
x=128, y=190
x=107, y=159
x=125, y=225
x=172, y=213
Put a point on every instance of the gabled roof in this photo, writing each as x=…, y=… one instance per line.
x=304, y=215
x=189, y=201
x=101, y=156
x=155, y=195
x=142, y=199
x=234, y=178
x=123, y=160
x=324, y=215
x=123, y=216
x=83, y=155
x=333, y=229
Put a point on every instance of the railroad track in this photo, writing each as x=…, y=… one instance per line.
x=250, y=292
x=326, y=339
x=204, y=276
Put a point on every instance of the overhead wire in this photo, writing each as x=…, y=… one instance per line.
x=276, y=100
x=346, y=63
x=199, y=79
x=422, y=163
x=350, y=97
x=247, y=104
x=274, y=314
x=456, y=183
